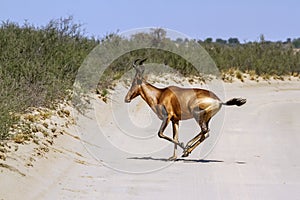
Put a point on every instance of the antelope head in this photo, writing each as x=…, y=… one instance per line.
x=135, y=88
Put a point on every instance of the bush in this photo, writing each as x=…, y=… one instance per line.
x=38, y=65
x=273, y=58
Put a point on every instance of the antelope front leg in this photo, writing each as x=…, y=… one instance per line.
x=166, y=120
x=175, y=138
x=164, y=124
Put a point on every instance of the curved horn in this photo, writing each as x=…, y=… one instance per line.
x=134, y=63
x=142, y=61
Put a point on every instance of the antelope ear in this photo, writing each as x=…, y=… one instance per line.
x=134, y=64
x=141, y=66
x=138, y=65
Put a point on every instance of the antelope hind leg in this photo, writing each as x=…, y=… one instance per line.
x=189, y=149
x=199, y=116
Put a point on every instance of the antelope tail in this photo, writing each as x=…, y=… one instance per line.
x=235, y=101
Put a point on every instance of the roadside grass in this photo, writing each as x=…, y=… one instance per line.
x=38, y=65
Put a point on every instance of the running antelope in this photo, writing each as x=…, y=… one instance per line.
x=174, y=104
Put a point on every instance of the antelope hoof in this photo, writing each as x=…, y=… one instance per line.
x=186, y=152
x=206, y=135
x=172, y=158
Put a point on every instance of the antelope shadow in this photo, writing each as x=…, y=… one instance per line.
x=178, y=160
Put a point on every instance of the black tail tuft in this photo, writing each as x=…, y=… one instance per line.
x=235, y=101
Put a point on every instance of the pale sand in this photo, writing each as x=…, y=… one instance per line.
x=256, y=157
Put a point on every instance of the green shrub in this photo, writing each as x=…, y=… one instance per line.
x=38, y=65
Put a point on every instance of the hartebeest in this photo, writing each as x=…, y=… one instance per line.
x=174, y=104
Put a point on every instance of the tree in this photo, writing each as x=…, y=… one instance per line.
x=179, y=40
x=158, y=35
x=296, y=43
x=208, y=40
x=221, y=41
x=233, y=41
x=262, y=38
x=288, y=41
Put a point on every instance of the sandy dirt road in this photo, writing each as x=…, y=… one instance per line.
x=257, y=157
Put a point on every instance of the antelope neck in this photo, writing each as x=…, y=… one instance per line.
x=150, y=94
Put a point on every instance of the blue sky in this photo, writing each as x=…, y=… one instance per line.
x=246, y=20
